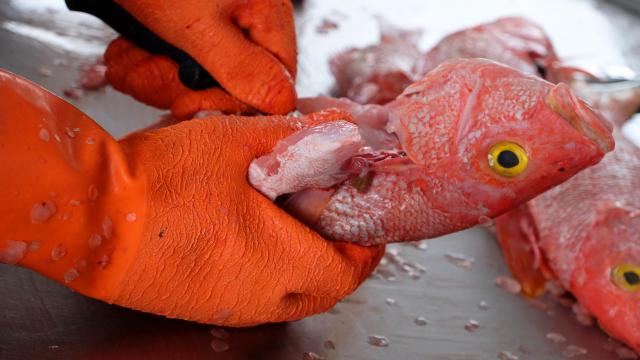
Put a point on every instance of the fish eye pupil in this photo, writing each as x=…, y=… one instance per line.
x=508, y=159
x=631, y=278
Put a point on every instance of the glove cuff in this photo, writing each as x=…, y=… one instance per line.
x=73, y=206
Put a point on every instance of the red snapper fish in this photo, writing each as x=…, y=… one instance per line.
x=585, y=233
x=378, y=73
x=468, y=142
x=582, y=233
x=514, y=41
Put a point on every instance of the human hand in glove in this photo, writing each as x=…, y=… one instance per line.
x=236, y=56
x=162, y=221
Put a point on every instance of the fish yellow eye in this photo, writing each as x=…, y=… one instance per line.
x=626, y=277
x=508, y=159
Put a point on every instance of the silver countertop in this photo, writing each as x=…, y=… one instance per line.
x=43, y=320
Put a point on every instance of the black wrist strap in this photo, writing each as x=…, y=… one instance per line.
x=191, y=74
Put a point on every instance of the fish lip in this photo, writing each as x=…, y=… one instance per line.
x=581, y=116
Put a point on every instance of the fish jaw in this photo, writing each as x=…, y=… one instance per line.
x=448, y=122
x=613, y=240
x=565, y=103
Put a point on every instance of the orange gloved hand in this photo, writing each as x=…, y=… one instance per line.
x=227, y=55
x=162, y=221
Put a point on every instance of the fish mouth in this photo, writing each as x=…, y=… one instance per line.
x=580, y=116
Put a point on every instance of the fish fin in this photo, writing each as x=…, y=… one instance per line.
x=519, y=241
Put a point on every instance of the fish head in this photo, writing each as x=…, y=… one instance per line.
x=494, y=136
x=606, y=276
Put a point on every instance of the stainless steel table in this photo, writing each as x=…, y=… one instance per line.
x=42, y=320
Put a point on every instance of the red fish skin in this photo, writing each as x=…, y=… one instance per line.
x=446, y=124
x=578, y=243
x=588, y=225
x=378, y=73
x=513, y=41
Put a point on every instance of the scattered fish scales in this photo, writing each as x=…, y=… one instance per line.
x=572, y=351
x=34, y=246
x=392, y=250
x=309, y=355
x=539, y=303
x=556, y=338
x=378, y=340
x=44, y=71
x=420, y=245
x=58, y=252
x=506, y=355
x=219, y=345
x=471, y=325
x=508, y=284
x=326, y=26
x=219, y=333
x=483, y=305
x=13, y=252
x=44, y=135
x=131, y=217
x=42, y=211
x=71, y=275
x=420, y=321
x=390, y=301
x=385, y=274
x=401, y=264
x=555, y=288
x=460, y=260
x=582, y=314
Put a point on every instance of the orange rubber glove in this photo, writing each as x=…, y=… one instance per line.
x=162, y=221
x=247, y=46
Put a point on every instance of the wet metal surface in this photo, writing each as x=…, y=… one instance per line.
x=407, y=311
